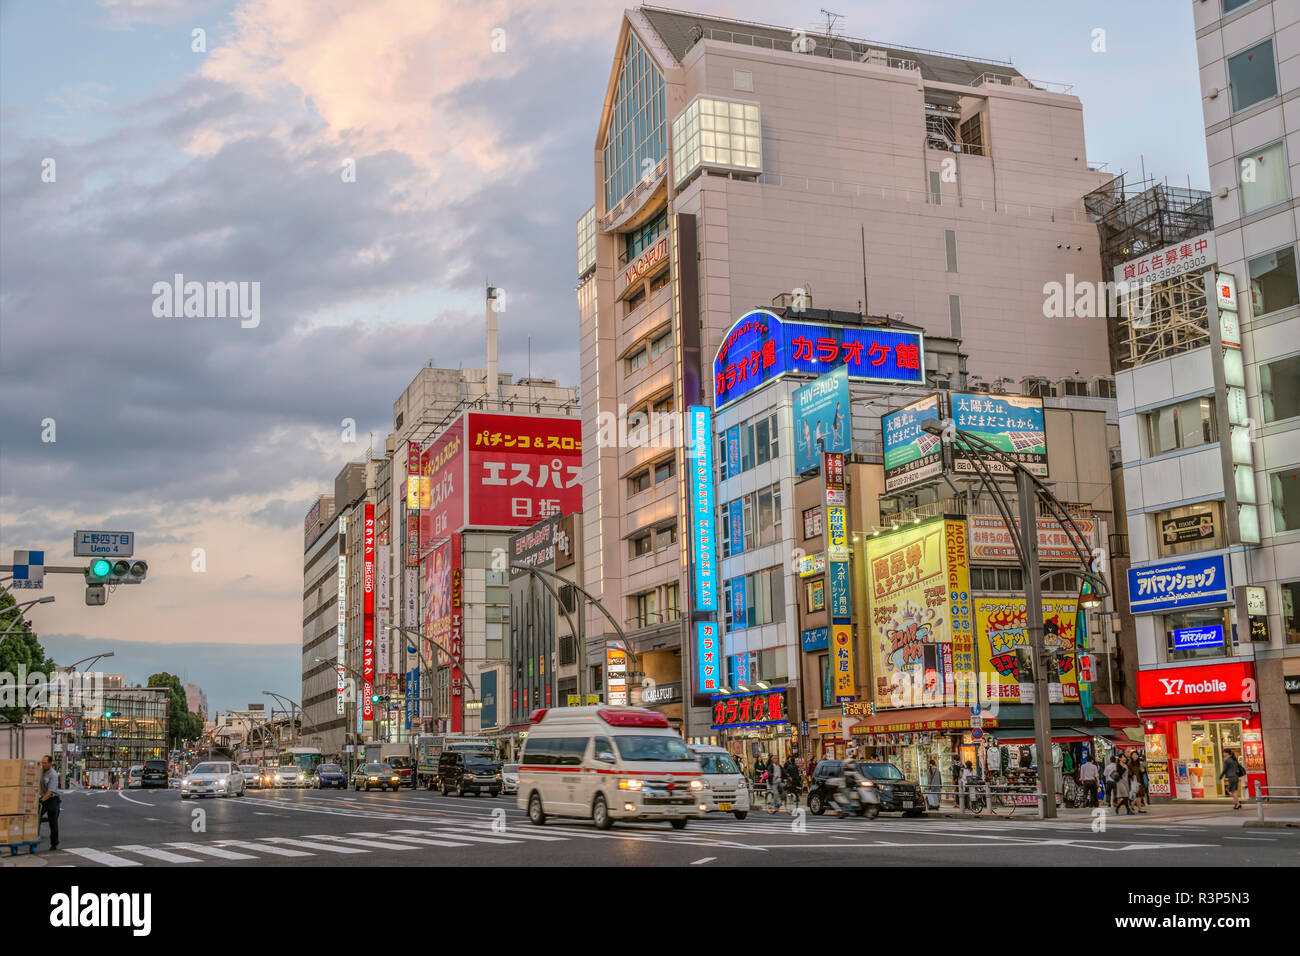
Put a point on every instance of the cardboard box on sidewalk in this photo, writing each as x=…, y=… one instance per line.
x=31, y=827
x=12, y=828
x=20, y=773
x=18, y=800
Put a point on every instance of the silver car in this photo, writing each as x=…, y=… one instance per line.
x=510, y=777
x=252, y=775
x=213, y=778
x=289, y=776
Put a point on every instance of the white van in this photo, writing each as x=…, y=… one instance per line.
x=725, y=787
x=608, y=763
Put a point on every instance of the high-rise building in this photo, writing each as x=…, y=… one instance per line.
x=196, y=702
x=739, y=164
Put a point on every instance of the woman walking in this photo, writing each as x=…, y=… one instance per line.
x=1232, y=773
x=1123, y=789
x=936, y=786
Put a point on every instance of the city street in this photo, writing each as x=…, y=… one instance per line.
x=417, y=828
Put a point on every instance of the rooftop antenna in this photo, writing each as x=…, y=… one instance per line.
x=864, y=271
x=830, y=29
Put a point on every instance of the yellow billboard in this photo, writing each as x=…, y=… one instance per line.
x=842, y=648
x=1002, y=647
x=417, y=492
x=910, y=631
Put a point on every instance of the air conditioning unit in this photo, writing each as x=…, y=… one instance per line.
x=1065, y=387
x=1037, y=387
x=875, y=57
x=1102, y=386
x=786, y=300
x=1021, y=82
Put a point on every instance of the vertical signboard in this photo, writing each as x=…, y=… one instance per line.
x=842, y=648
x=702, y=508
x=911, y=454
x=616, y=676
x=733, y=451
x=437, y=602
x=961, y=619
x=368, y=615
x=522, y=468
x=740, y=668
x=342, y=644
x=443, y=464
x=736, y=526
x=456, y=641
x=488, y=695
x=383, y=610
x=412, y=695
x=708, y=656
x=822, y=419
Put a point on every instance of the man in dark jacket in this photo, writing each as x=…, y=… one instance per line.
x=1232, y=773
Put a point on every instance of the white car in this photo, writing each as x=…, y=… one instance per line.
x=213, y=778
x=289, y=776
x=252, y=775
x=135, y=777
x=510, y=778
x=725, y=788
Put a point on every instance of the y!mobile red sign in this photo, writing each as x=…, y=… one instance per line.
x=368, y=616
x=1210, y=684
x=522, y=468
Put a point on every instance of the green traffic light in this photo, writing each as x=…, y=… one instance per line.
x=100, y=568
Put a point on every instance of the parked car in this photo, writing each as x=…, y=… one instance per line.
x=373, y=776
x=252, y=775
x=725, y=787
x=288, y=776
x=331, y=775
x=469, y=771
x=510, y=778
x=135, y=777
x=897, y=793
x=213, y=778
x=154, y=773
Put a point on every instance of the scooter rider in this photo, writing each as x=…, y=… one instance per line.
x=846, y=786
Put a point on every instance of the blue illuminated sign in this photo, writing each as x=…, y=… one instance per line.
x=736, y=521
x=702, y=507
x=412, y=694
x=823, y=420
x=839, y=579
x=761, y=347
x=733, y=451
x=1190, y=638
x=739, y=604
x=817, y=639
x=708, y=657
x=1189, y=582
x=740, y=668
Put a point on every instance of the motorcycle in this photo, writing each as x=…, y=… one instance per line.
x=860, y=800
x=975, y=801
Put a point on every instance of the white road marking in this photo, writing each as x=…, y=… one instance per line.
x=420, y=840
x=515, y=835
x=330, y=848
x=104, y=805
x=154, y=854
x=212, y=851
x=274, y=850
x=1261, y=839
x=129, y=800
x=368, y=843
x=98, y=856
x=707, y=859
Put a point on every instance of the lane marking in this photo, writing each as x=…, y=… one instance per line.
x=156, y=854
x=212, y=851
x=129, y=800
x=423, y=841
x=276, y=850
x=1261, y=839
x=707, y=859
x=98, y=856
x=312, y=846
x=515, y=836
x=368, y=843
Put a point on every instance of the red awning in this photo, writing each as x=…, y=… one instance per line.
x=955, y=719
x=1118, y=715
x=1182, y=713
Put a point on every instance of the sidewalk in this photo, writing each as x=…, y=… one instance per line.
x=1215, y=814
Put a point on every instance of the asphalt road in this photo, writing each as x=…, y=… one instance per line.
x=141, y=828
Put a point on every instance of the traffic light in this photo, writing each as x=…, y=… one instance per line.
x=121, y=571
x=108, y=715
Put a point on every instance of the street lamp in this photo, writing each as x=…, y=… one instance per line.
x=292, y=704
x=93, y=659
x=1029, y=491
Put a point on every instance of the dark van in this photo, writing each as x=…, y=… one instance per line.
x=469, y=771
x=155, y=774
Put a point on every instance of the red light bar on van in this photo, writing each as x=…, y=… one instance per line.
x=633, y=718
x=536, y=716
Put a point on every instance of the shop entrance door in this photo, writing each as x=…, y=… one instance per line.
x=1210, y=742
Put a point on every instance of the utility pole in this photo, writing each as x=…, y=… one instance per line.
x=1028, y=501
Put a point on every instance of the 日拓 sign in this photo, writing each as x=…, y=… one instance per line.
x=94, y=544
x=761, y=347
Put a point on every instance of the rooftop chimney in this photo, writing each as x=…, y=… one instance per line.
x=493, y=382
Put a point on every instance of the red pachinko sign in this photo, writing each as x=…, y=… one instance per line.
x=1207, y=685
x=443, y=463
x=749, y=709
x=368, y=617
x=522, y=468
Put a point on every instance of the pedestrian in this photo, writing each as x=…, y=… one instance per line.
x=1111, y=776
x=936, y=786
x=1232, y=773
x=1123, y=789
x=760, y=768
x=50, y=799
x=1088, y=779
x=956, y=771
x=773, y=786
x=790, y=774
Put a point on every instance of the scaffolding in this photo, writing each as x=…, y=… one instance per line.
x=1166, y=317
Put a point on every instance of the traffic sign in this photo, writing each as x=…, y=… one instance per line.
x=29, y=569
x=92, y=544
x=67, y=723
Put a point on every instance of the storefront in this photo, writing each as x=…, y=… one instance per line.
x=1192, y=717
x=910, y=740
x=755, y=724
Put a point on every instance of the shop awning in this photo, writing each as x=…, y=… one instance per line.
x=1117, y=715
x=1060, y=735
x=1222, y=712
x=956, y=719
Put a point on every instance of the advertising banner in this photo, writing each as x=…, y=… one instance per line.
x=962, y=619
x=842, y=649
x=910, y=619
x=740, y=668
x=1206, y=685
x=443, y=464
x=616, y=676
x=837, y=531
x=750, y=710
x=412, y=695
x=841, y=606
x=368, y=615
x=455, y=640
x=534, y=547
x=816, y=639
x=700, y=436
x=1193, y=254
x=437, y=602
x=761, y=347
x=736, y=526
x=1193, y=527
x=1002, y=638
x=487, y=688
x=383, y=608
x=1011, y=423
x=411, y=598
x=412, y=539
x=708, y=658
x=991, y=541
x=1190, y=638
x=733, y=451
x=739, y=604
x=522, y=468
x=1186, y=582
x=911, y=455
x=823, y=419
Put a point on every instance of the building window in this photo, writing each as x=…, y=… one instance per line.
x=1190, y=529
x=672, y=609
x=936, y=193
x=663, y=406
x=645, y=609
x=1252, y=76
x=635, y=300
x=718, y=133
x=996, y=579
x=769, y=515
x=954, y=315
x=665, y=537
x=1263, y=177
x=1230, y=5
x=661, y=280
x=1279, y=388
x=639, y=240
x=636, y=123
x=815, y=595
x=764, y=599
x=812, y=522
x=772, y=665
x=1200, y=619
x=638, y=482
x=1273, y=283
x=1183, y=425
x=1286, y=500
x=641, y=544
x=663, y=471
x=587, y=241
x=1290, y=621
x=950, y=247
x=661, y=343
x=637, y=360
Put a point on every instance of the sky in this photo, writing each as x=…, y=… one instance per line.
x=141, y=139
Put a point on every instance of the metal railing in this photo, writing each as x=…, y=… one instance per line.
x=1263, y=794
